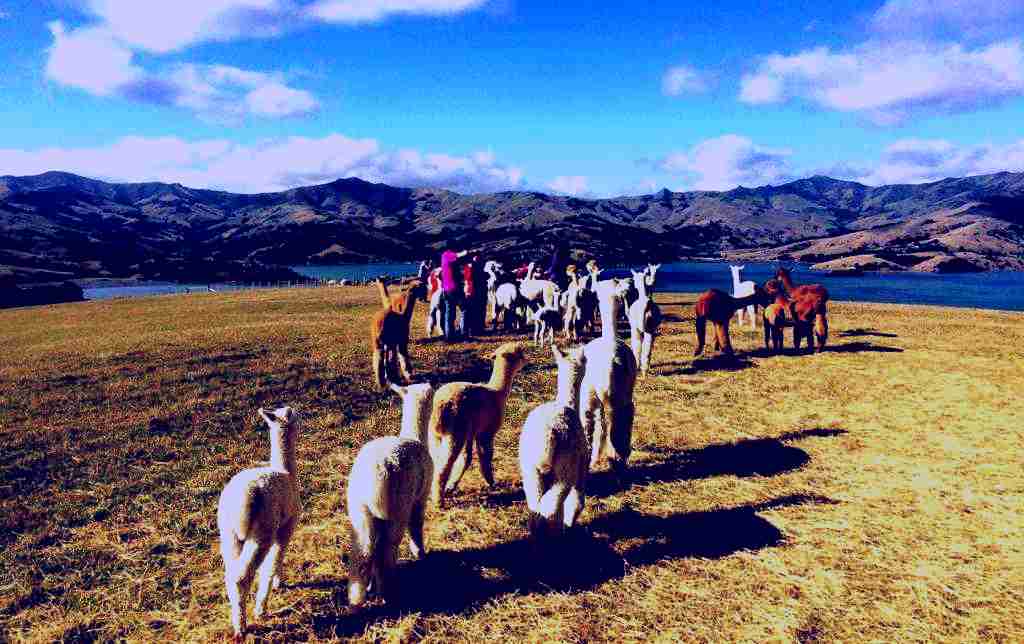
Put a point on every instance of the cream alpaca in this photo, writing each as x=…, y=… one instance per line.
x=545, y=320
x=553, y=452
x=417, y=403
x=256, y=516
x=606, y=393
x=387, y=494
x=470, y=414
x=644, y=320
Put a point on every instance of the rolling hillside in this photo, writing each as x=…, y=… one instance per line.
x=58, y=225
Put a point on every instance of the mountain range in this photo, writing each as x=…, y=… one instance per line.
x=57, y=226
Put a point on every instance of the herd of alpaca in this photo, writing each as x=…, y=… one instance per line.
x=394, y=478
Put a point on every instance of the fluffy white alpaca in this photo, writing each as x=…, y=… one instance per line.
x=553, y=452
x=387, y=494
x=434, y=314
x=606, y=393
x=572, y=309
x=417, y=403
x=743, y=289
x=493, y=270
x=644, y=320
x=256, y=516
x=506, y=303
x=538, y=293
x=651, y=276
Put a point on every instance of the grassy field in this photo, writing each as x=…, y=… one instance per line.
x=872, y=492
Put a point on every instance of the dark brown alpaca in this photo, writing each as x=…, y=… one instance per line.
x=810, y=311
x=389, y=334
x=776, y=316
x=719, y=307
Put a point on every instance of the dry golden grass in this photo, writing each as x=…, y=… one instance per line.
x=873, y=492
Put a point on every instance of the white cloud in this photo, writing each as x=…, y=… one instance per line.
x=949, y=18
x=358, y=11
x=682, y=79
x=93, y=60
x=270, y=165
x=569, y=185
x=888, y=82
x=924, y=160
x=89, y=59
x=728, y=161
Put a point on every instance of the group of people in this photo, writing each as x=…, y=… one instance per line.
x=462, y=280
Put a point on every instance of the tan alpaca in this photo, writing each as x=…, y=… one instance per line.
x=467, y=414
x=389, y=333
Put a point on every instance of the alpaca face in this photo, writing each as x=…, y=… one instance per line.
x=282, y=417
x=513, y=354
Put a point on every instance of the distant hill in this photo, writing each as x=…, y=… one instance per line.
x=57, y=225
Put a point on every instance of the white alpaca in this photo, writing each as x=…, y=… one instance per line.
x=644, y=320
x=545, y=320
x=743, y=289
x=506, y=303
x=387, y=494
x=651, y=276
x=606, y=394
x=553, y=452
x=434, y=314
x=256, y=516
x=538, y=293
x=417, y=403
x=493, y=270
x=573, y=305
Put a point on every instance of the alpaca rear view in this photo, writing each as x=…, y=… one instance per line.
x=467, y=416
x=256, y=516
x=387, y=494
x=553, y=452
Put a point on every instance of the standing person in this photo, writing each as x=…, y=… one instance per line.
x=451, y=295
x=476, y=302
x=559, y=260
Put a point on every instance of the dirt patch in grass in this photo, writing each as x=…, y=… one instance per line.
x=870, y=492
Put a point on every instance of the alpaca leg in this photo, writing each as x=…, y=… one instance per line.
x=462, y=464
x=265, y=577
x=722, y=342
x=821, y=330
x=404, y=364
x=533, y=488
x=752, y=314
x=379, y=374
x=645, y=352
x=416, y=518
x=620, y=433
x=700, y=326
x=238, y=580
x=444, y=454
x=767, y=334
x=485, y=454
x=573, y=505
x=284, y=537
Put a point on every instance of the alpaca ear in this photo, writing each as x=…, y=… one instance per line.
x=558, y=354
x=266, y=417
x=286, y=414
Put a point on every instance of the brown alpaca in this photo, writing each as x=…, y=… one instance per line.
x=776, y=316
x=719, y=307
x=389, y=334
x=810, y=310
x=467, y=415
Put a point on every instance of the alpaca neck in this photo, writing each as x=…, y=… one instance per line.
x=282, y=451
x=569, y=387
x=740, y=302
x=501, y=377
x=408, y=304
x=609, y=314
x=786, y=281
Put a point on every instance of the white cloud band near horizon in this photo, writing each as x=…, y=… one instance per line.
x=269, y=166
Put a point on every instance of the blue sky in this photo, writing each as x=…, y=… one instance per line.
x=592, y=99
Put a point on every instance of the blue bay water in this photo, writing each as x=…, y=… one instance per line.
x=998, y=290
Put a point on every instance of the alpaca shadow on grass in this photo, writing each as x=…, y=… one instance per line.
x=700, y=364
x=451, y=582
x=861, y=347
x=861, y=332
x=749, y=457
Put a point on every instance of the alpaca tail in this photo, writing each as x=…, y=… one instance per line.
x=700, y=326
